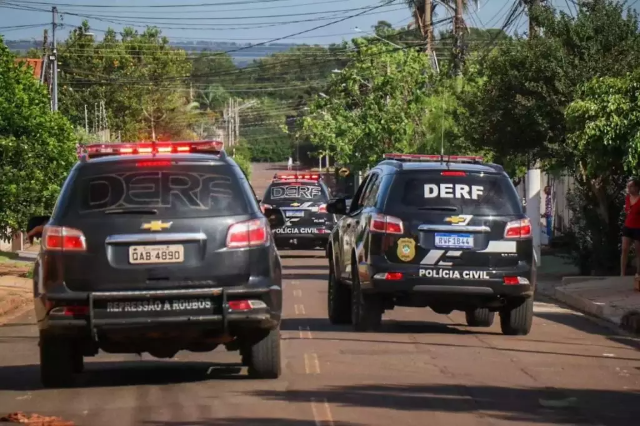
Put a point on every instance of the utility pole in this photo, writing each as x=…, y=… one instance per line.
x=428, y=25
x=458, y=31
x=86, y=119
x=237, y=122
x=54, y=57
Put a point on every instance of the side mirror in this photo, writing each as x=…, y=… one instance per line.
x=337, y=206
x=34, y=222
x=275, y=217
x=259, y=200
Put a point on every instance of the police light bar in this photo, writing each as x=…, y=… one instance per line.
x=153, y=148
x=294, y=177
x=439, y=158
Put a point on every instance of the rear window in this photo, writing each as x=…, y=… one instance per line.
x=475, y=193
x=295, y=191
x=180, y=190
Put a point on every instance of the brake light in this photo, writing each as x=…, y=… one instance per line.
x=452, y=173
x=75, y=310
x=322, y=208
x=61, y=238
x=153, y=163
x=393, y=276
x=515, y=280
x=518, y=229
x=246, y=305
x=248, y=234
x=386, y=224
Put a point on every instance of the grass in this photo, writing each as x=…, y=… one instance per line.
x=6, y=256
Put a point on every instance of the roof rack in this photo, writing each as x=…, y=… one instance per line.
x=87, y=152
x=288, y=177
x=437, y=158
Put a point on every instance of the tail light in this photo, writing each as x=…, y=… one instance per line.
x=386, y=224
x=75, y=310
x=322, y=208
x=246, y=305
x=264, y=207
x=518, y=229
x=389, y=276
x=251, y=233
x=515, y=280
x=61, y=238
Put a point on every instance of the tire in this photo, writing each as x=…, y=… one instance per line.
x=264, y=357
x=517, y=321
x=338, y=299
x=480, y=317
x=366, y=309
x=58, y=362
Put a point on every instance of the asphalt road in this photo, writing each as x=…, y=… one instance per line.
x=421, y=369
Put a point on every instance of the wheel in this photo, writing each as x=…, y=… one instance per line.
x=338, y=299
x=480, y=317
x=366, y=309
x=264, y=357
x=58, y=362
x=517, y=321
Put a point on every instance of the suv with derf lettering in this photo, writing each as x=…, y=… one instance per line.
x=303, y=198
x=445, y=232
x=157, y=247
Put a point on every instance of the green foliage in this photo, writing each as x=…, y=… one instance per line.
x=263, y=132
x=37, y=147
x=384, y=101
x=139, y=76
x=244, y=162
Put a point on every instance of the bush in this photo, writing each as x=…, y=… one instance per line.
x=594, y=242
x=245, y=164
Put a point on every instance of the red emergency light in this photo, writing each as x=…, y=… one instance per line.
x=153, y=148
x=296, y=177
x=439, y=158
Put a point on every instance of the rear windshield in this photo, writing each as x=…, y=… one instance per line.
x=295, y=191
x=475, y=194
x=176, y=190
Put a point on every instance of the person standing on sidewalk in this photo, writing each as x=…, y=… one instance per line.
x=290, y=164
x=631, y=228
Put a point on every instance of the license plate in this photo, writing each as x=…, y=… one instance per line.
x=156, y=254
x=294, y=213
x=454, y=241
x=155, y=308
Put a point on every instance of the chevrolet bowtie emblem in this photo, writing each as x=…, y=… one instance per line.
x=295, y=204
x=455, y=219
x=156, y=225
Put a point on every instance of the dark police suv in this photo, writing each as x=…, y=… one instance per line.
x=157, y=248
x=303, y=199
x=439, y=231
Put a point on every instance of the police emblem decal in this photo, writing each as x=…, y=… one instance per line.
x=406, y=249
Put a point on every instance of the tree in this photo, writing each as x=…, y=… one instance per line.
x=37, y=147
x=386, y=100
x=603, y=141
x=527, y=84
x=140, y=77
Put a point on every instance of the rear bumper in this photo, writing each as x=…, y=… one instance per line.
x=206, y=308
x=454, y=283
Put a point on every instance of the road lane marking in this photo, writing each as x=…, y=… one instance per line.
x=311, y=364
x=299, y=309
x=297, y=293
x=321, y=412
x=305, y=332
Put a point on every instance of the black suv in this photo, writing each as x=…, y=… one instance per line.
x=157, y=248
x=439, y=231
x=303, y=198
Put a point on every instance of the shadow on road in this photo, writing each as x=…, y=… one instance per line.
x=586, y=325
x=318, y=254
x=581, y=406
x=247, y=421
x=305, y=276
x=124, y=373
x=388, y=327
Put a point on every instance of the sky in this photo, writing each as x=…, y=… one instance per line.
x=242, y=21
